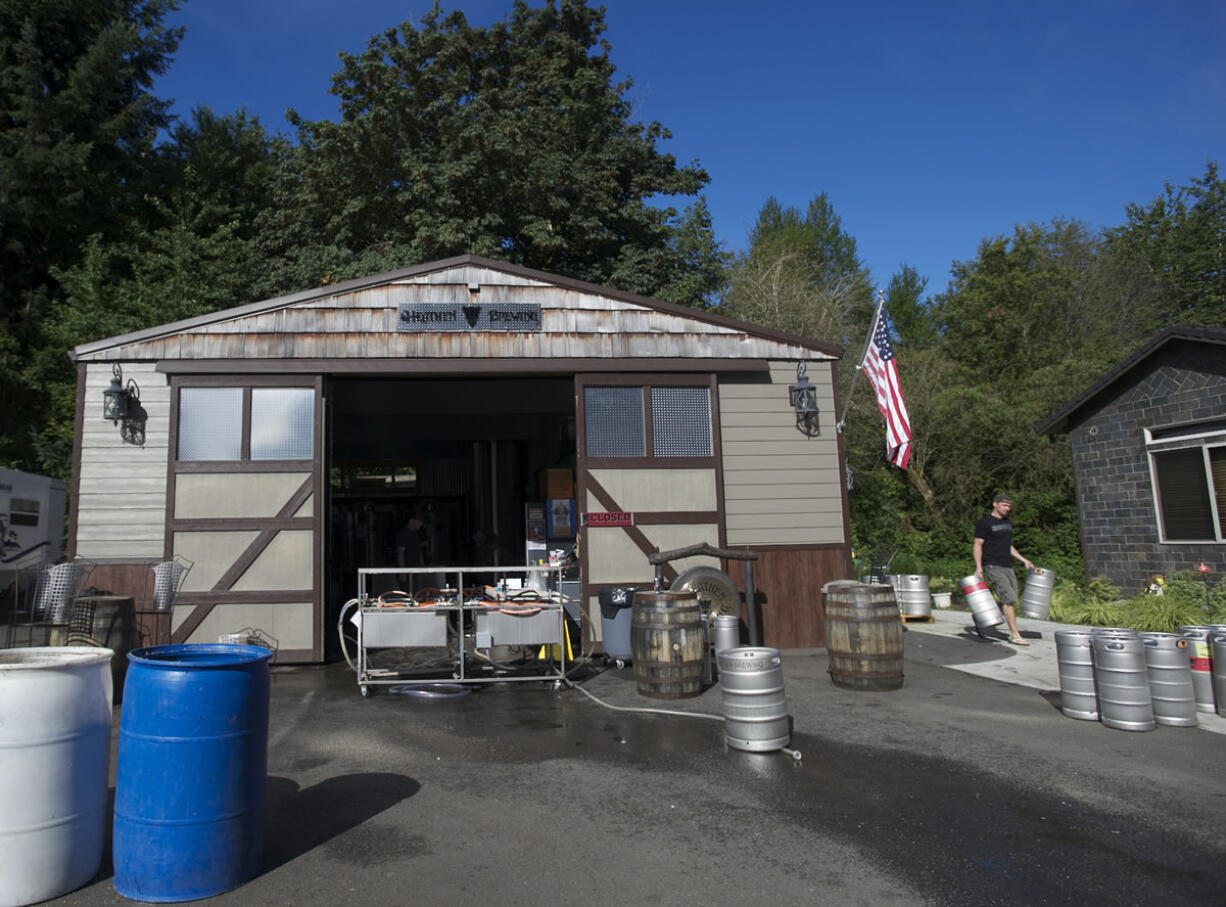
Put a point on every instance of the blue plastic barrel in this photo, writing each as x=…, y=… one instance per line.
x=190, y=775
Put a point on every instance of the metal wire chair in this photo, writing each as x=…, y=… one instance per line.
x=168, y=577
x=57, y=590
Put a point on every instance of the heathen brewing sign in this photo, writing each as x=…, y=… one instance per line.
x=468, y=316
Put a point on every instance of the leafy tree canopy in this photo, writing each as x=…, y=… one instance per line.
x=513, y=141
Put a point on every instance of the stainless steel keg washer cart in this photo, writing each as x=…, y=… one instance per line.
x=523, y=608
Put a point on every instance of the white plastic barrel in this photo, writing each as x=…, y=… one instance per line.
x=55, y=747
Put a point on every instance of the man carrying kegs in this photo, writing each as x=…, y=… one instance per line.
x=994, y=553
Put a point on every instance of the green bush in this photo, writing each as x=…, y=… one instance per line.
x=1162, y=613
x=1096, y=613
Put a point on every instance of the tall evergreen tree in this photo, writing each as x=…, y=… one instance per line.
x=77, y=123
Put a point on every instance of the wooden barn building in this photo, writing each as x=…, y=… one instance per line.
x=279, y=446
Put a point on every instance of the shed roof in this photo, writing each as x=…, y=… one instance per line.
x=1059, y=420
x=357, y=320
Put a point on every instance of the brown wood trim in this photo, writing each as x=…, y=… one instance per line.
x=229, y=466
x=218, y=524
x=636, y=535
x=172, y=463
x=317, y=562
x=74, y=489
x=223, y=370
x=717, y=448
x=842, y=465
x=244, y=450
x=674, y=517
x=651, y=462
x=229, y=377
x=273, y=596
x=264, y=539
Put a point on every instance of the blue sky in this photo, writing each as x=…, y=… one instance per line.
x=930, y=125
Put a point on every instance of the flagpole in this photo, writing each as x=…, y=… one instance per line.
x=872, y=329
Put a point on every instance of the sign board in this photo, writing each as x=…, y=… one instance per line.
x=468, y=316
x=615, y=518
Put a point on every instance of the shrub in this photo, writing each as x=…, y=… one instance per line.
x=1162, y=613
x=1096, y=613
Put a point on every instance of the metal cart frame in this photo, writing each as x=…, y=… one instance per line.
x=451, y=623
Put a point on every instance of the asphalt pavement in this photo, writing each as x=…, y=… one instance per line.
x=966, y=786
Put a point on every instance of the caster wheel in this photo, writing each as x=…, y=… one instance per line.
x=620, y=662
x=365, y=692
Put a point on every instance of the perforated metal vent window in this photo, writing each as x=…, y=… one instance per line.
x=681, y=421
x=210, y=423
x=613, y=421
x=282, y=423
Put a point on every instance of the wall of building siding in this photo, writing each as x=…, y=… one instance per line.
x=780, y=487
x=362, y=324
x=1183, y=382
x=121, y=504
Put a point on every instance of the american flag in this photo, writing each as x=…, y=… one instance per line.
x=883, y=375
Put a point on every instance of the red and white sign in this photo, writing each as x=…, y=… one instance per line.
x=615, y=518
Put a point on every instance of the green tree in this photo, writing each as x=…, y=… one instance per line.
x=77, y=123
x=512, y=141
x=190, y=254
x=1178, y=243
x=801, y=274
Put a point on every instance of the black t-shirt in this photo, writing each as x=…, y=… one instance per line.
x=997, y=538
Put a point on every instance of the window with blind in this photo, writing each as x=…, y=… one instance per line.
x=1188, y=470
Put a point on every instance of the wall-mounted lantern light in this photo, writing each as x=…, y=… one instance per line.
x=121, y=406
x=803, y=397
x=115, y=398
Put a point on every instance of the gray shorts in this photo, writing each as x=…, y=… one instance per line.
x=1003, y=582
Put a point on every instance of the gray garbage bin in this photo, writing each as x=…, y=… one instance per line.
x=615, y=605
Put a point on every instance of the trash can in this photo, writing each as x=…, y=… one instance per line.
x=190, y=776
x=55, y=750
x=615, y=608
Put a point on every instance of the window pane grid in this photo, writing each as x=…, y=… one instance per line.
x=613, y=421
x=282, y=423
x=681, y=421
x=210, y=423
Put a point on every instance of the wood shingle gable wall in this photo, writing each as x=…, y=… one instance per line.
x=358, y=320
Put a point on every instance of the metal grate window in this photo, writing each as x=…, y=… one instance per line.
x=681, y=421
x=282, y=423
x=210, y=423
x=613, y=421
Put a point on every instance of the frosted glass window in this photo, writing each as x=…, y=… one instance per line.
x=613, y=421
x=681, y=421
x=210, y=423
x=282, y=423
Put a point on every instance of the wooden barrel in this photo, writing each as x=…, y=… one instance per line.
x=666, y=644
x=863, y=636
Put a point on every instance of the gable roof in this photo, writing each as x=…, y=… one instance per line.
x=1058, y=421
x=268, y=317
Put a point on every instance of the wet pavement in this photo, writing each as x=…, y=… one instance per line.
x=958, y=788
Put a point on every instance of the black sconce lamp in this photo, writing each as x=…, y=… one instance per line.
x=803, y=397
x=121, y=406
